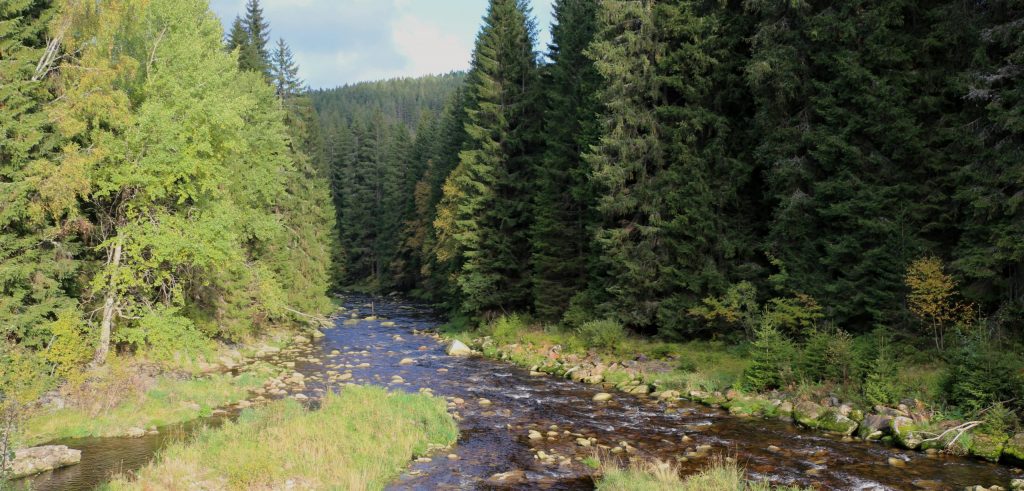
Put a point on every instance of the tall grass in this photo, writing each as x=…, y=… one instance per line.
x=661, y=476
x=118, y=408
x=360, y=439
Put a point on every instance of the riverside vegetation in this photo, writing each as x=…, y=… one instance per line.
x=809, y=202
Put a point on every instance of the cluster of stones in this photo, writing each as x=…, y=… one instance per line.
x=902, y=425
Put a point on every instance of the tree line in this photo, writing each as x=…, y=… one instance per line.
x=161, y=187
x=673, y=164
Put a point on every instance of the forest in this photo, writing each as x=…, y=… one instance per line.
x=830, y=195
x=790, y=176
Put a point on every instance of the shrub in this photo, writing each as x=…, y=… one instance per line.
x=828, y=354
x=163, y=334
x=507, y=328
x=982, y=374
x=581, y=310
x=770, y=354
x=604, y=334
x=70, y=348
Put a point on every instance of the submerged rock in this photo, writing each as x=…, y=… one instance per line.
x=458, y=348
x=34, y=460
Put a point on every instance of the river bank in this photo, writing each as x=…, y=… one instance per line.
x=523, y=430
x=652, y=369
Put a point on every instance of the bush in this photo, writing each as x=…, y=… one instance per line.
x=70, y=348
x=507, y=328
x=163, y=334
x=604, y=334
x=828, y=354
x=981, y=374
x=770, y=359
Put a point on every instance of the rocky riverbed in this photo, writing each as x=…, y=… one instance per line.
x=526, y=429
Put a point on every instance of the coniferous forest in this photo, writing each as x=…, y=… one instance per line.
x=830, y=194
x=710, y=170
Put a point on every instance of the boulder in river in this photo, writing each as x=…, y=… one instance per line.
x=135, y=432
x=1014, y=449
x=874, y=426
x=458, y=348
x=602, y=397
x=987, y=446
x=31, y=461
x=507, y=478
x=806, y=413
x=906, y=432
x=407, y=361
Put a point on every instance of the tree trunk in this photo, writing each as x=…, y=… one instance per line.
x=109, y=310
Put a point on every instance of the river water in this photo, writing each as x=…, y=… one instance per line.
x=494, y=437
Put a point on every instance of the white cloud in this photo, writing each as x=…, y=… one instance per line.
x=427, y=48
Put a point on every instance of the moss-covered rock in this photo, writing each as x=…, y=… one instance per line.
x=713, y=399
x=834, y=422
x=907, y=433
x=874, y=426
x=806, y=413
x=1014, y=448
x=987, y=446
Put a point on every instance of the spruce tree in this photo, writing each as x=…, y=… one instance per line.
x=488, y=195
x=38, y=226
x=563, y=219
x=237, y=37
x=626, y=163
x=255, y=56
x=284, y=72
x=991, y=252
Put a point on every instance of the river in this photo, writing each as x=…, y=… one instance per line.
x=494, y=437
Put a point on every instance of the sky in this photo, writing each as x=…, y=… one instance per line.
x=338, y=42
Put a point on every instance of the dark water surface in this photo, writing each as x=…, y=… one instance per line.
x=493, y=438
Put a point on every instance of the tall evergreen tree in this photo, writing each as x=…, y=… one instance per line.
x=626, y=164
x=238, y=37
x=284, y=72
x=38, y=225
x=563, y=219
x=255, y=55
x=991, y=252
x=488, y=194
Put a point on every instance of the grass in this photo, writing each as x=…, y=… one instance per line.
x=360, y=439
x=117, y=406
x=661, y=476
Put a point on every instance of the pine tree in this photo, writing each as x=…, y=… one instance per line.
x=991, y=252
x=284, y=72
x=487, y=196
x=625, y=164
x=238, y=37
x=563, y=219
x=38, y=226
x=255, y=56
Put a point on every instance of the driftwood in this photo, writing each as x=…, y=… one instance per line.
x=960, y=430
